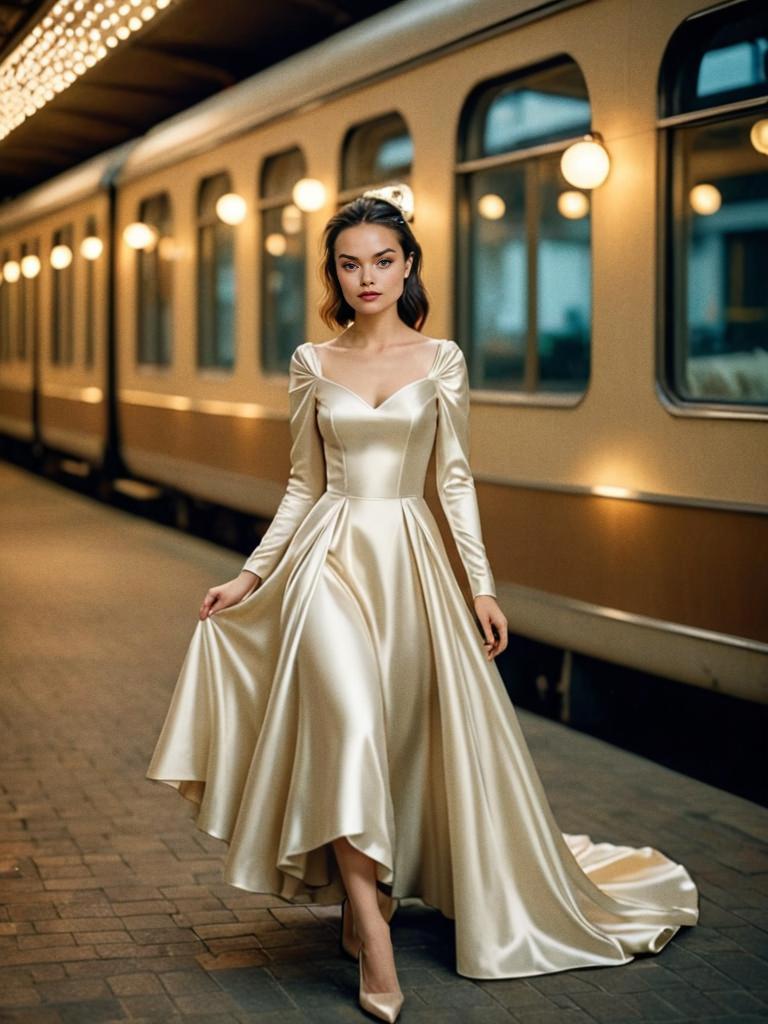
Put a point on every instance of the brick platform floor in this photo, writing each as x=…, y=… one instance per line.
x=112, y=904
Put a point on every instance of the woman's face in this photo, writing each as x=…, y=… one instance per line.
x=369, y=259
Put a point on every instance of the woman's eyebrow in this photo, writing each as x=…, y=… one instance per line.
x=346, y=256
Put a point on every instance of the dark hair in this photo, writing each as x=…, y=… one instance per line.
x=413, y=305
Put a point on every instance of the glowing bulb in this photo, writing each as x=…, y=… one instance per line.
x=275, y=244
x=585, y=164
x=231, y=208
x=61, y=257
x=573, y=205
x=91, y=247
x=11, y=271
x=491, y=206
x=30, y=266
x=309, y=194
x=140, y=236
x=758, y=135
x=705, y=199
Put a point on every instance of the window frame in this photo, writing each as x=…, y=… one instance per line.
x=90, y=305
x=347, y=192
x=668, y=284
x=203, y=221
x=267, y=200
x=153, y=365
x=28, y=305
x=7, y=354
x=61, y=352
x=463, y=169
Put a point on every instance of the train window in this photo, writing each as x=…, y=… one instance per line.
x=62, y=304
x=283, y=260
x=89, y=271
x=215, y=278
x=6, y=288
x=28, y=304
x=155, y=279
x=376, y=152
x=524, y=241
x=713, y=100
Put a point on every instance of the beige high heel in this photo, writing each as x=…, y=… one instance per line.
x=384, y=1005
x=349, y=941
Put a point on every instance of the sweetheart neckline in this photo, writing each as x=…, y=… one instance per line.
x=375, y=408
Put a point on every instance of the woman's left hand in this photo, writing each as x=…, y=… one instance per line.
x=491, y=617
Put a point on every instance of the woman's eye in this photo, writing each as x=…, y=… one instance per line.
x=385, y=260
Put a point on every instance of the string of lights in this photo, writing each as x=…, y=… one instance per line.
x=73, y=37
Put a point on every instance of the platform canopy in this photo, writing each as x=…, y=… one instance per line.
x=140, y=62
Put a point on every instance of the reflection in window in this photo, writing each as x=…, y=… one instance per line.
x=283, y=261
x=524, y=252
x=215, y=278
x=717, y=307
x=62, y=305
x=520, y=117
x=731, y=68
x=155, y=277
x=377, y=152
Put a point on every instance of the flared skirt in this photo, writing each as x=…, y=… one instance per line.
x=350, y=696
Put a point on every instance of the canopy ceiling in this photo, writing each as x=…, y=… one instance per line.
x=187, y=52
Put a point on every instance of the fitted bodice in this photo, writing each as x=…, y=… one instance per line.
x=378, y=451
x=343, y=448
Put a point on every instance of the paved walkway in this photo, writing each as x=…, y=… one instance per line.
x=112, y=904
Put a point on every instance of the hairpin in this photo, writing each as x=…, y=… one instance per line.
x=399, y=196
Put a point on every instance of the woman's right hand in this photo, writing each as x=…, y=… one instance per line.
x=227, y=594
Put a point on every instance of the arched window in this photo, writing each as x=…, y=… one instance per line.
x=713, y=106
x=523, y=287
x=90, y=305
x=283, y=260
x=62, y=305
x=376, y=152
x=215, y=278
x=29, y=289
x=155, y=277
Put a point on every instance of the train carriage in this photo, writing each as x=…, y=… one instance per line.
x=615, y=327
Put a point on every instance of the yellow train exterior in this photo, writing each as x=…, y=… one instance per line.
x=620, y=522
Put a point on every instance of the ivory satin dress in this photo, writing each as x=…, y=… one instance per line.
x=350, y=695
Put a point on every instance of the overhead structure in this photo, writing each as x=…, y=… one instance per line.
x=81, y=76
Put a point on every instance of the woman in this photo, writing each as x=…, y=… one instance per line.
x=339, y=717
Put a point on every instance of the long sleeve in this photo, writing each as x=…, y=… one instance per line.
x=456, y=486
x=306, y=480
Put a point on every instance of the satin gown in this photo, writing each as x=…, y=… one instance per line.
x=350, y=695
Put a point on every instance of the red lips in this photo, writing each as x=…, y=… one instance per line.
x=368, y=295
